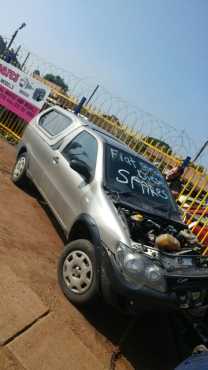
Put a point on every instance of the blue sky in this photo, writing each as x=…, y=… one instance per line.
x=153, y=53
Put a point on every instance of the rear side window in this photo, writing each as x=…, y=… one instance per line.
x=54, y=122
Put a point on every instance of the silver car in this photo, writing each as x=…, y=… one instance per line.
x=126, y=238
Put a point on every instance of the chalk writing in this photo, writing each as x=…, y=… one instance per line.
x=144, y=172
x=120, y=156
x=144, y=184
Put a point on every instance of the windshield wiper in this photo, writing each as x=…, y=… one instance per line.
x=128, y=192
x=161, y=207
x=118, y=192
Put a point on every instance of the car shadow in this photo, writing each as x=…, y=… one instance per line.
x=147, y=341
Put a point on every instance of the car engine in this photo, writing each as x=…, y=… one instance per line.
x=174, y=248
x=159, y=232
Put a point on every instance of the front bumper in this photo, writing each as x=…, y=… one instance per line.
x=120, y=293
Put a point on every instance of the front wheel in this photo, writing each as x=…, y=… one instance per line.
x=19, y=176
x=78, y=272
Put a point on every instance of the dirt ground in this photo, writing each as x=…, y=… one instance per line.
x=63, y=337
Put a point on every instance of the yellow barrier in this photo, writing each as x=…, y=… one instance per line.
x=11, y=126
x=194, y=194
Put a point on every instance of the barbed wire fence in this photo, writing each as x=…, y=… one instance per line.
x=155, y=139
x=106, y=104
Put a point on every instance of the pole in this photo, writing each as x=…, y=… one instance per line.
x=78, y=108
x=93, y=93
x=25, y=61
x=17, y=51
x=12, y=39
x=15, y=34
x=200, y=151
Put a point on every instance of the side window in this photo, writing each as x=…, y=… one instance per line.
x=54, y=122
x=84, y=148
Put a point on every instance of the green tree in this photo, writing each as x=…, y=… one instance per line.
x=165, y=147
x=10, y=56
x=36, y=72
x=59, y=81
x=112, y=118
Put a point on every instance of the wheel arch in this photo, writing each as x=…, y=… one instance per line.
x=85, y=227
x=21, y=150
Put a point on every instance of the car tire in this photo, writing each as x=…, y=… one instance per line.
x=19, y=176
x=78, y=272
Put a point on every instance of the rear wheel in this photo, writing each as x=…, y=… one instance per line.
x=78, y=272
x=19, y=176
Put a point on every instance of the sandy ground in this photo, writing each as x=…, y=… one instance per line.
x=59, y=336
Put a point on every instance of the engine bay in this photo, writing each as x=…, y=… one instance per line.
x=159, y=233
x=174, y=248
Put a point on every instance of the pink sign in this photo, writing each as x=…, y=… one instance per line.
x=17, y=105
x=20, y=93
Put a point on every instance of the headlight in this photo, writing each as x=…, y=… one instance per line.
x=139, y=269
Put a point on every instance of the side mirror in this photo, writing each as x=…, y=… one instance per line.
x=82, y=168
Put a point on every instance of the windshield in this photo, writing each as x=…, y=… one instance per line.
x=138, y=182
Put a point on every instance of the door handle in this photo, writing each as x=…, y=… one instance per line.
x=55, y=160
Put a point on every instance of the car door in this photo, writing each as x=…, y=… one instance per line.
x=67, y=187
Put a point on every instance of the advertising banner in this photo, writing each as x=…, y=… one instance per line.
x=20, y=93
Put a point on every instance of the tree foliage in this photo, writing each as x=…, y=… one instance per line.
x=10, y=56
x=112, y=118
x=59, y=81
x=165, y=147
x=36, y=72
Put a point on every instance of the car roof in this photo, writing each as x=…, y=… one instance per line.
x=80, y=119
x=110, y=139
x=104, y=135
